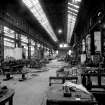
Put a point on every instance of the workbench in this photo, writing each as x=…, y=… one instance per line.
x=55, y=96
x=6, y=96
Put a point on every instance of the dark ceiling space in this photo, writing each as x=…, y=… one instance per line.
x=56, y=11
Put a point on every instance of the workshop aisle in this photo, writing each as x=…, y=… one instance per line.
x=32, y=91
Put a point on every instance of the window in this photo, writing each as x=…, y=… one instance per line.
x=24, y=39
x=9, y=32
x=32, y=50
x=9, y=42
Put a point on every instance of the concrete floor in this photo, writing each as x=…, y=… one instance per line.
x=32, y=91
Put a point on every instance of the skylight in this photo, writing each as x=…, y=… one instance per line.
x=35, y=7
x=73, y=5
x=72, y=13
x=73, y=8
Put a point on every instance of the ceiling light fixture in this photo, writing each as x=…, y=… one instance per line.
x=35, y=7
x=69, y=52
x=60, y=31
x=63, y=45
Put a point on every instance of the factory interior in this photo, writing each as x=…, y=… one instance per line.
x=52, y=52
